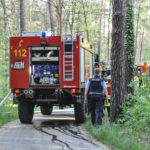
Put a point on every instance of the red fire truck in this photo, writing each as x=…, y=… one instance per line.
x=47, y=70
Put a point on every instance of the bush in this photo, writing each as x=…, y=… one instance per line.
x=136, y=111
x=8, y=112
x=114, y=135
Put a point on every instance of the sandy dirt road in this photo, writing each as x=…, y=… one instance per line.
x=55, y=132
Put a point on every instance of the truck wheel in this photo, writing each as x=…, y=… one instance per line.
x=80, y=112
x=46, y=110
x=25, y=111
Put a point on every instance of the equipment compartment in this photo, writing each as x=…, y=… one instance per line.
x=44, y=66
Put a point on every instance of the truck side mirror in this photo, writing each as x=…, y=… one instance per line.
x=96, y=63
x=96, y=58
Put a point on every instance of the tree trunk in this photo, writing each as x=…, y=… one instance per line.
x=67, y=22
x=141, y=47
x=46, y=17
x=79, y=20
x=100, y=30
x=59, y=17
x=31, y=13
x=108, y=38
x=137, y=30
x=5, y=40
x=73, y=12
x=14, y=19
x=58, y=20
x=51, y=15
x=130, y=51
x=22, y=16
x=104, y=32
x=85, y=20
x=4, y=13
x=99, y=50
x=117, y=58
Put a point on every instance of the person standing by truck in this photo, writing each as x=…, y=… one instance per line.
x=94, y=93
x=107, y=102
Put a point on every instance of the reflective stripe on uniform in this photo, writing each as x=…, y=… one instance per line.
x=107, y=104
x=109, y=96
x=108, y=85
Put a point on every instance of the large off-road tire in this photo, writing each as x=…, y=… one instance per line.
x=46, y=110
x=80, y=110
x=25, y=110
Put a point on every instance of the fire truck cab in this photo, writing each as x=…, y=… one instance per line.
x=47, y=70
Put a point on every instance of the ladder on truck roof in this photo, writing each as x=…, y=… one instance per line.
x=68, y=69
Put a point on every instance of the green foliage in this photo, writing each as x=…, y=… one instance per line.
x=113, y=135
x=8, y=112
x=146, y=52
x=130, y=35
x=4, y=82
x=143, y=44
x=136, y=112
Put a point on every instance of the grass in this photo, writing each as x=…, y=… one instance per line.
x=114, y=136
x=8, y=112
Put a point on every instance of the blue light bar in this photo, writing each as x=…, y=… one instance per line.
x=46, y=33
x=43, y=34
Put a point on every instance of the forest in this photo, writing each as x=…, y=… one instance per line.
x=93, y=19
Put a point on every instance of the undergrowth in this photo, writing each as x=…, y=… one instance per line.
x=115, y=136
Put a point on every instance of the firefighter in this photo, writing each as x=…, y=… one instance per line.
x=107, y=102
x=94, y=88
x=137, y=79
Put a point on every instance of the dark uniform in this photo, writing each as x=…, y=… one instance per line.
x=95, y=98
